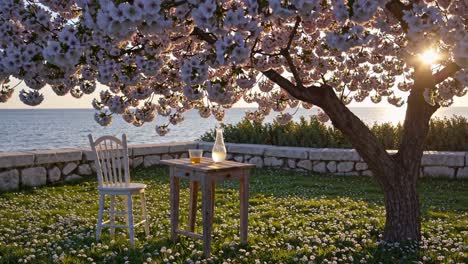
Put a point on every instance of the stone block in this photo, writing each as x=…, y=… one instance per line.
x=166, y=157
x=367, y=173
x=360, y=166
x=352, y=173
x=70, y=167
x=345, y=166
x=439, y=171
x=272, y=162
x=206, y=146
x=35, y=176
x=287, y=152
x=54, y=174
x=137, y=161
x=149, y=149
x=331, y=166
x=334, y=154
x=88, y=154
x=291, y=163
x=178, y=147
x=93, y=166
x=84, y=169
x=443, y=158
x=16, y=159
x=258, y=161
x=462, y=173
x=57, y=155
x=239, y=158
x=9, y=180
x=304, y=164
x=320, y=167
x=151, y=160
x=251, y=149
x=73, y=177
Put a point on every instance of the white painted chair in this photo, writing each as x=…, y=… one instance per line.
x=112, y=166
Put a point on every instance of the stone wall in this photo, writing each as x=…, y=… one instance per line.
x=453, y=165
x=35, y=168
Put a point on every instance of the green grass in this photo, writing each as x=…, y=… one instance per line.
x=293, y=218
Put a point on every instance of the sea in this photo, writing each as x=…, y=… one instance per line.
x=36, y=129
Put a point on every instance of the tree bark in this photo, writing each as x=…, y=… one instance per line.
x=402, y=209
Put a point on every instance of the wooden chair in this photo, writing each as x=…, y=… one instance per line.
x=112, y=166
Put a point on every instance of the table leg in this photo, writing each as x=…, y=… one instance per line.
x=193, y=205
x=207, y=215
x=213, y=200
x=244, y=206
x=175, y=191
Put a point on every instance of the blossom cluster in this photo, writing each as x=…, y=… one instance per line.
x=166, y=57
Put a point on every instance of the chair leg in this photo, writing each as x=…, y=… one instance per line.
x=130, y=220
x=112, y=216
x=100, y=212
x=145, y=214
x=125, y=208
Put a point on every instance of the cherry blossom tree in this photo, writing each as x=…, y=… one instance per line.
x=164, y=57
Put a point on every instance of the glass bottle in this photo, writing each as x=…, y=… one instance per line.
x=219, y=150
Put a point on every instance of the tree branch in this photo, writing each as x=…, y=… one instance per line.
x=287, y=55
x=446, y=72
x=416, y=124
x=208, y=37
x=360, y=136
x=292, y=67
x=293, y=32
x=396, y=7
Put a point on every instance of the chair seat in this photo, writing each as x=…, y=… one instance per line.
x=133, y=187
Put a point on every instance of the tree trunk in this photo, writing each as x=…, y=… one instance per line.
x=402, y=211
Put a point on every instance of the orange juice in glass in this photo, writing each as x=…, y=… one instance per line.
x=195, y=155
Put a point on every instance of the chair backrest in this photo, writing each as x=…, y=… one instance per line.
x=111, y=157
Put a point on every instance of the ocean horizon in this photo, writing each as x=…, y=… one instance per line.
x=38, y=129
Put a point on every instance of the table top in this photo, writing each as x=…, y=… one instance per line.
x=206, y=165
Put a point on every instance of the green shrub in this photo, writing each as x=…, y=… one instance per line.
x=444, y=134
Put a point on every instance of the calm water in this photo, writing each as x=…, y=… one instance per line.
x=64, y=128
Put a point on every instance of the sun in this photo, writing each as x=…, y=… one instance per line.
x=429, y=56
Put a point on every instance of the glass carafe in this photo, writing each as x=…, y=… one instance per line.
x=219, y=150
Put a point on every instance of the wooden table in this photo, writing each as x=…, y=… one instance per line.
x=208, y=174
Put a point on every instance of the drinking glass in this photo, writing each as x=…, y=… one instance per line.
x=195, y=155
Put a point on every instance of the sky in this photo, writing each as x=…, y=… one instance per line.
x=51, y=100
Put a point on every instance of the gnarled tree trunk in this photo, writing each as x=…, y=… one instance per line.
x=396, y=174
x=402, y=211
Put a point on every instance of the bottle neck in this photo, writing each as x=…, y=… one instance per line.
x=219, y=135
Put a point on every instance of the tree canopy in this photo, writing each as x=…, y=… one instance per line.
x=165, y=57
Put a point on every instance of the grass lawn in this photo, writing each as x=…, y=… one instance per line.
x=293, y=218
